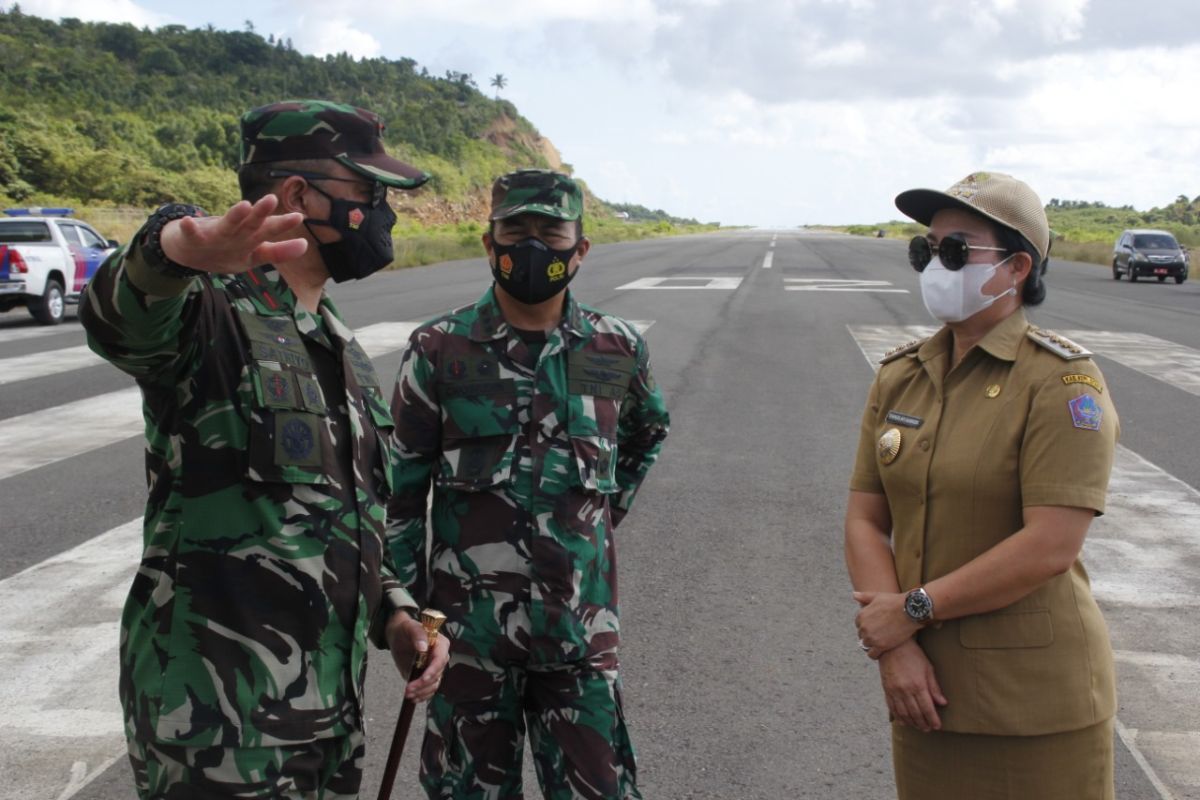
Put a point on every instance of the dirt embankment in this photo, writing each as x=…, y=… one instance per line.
x=430, y=209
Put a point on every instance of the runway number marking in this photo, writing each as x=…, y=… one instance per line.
x=682, y=282
x=839, y=285
x=1139, y=556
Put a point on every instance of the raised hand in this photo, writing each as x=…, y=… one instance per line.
x=241, y=239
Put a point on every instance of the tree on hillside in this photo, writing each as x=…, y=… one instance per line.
x=499, y=81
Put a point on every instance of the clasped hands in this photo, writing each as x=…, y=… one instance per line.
x=909, y=685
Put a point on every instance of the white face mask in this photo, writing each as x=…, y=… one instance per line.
x=955, y=296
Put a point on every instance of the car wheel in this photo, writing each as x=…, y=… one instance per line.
x=1116, y=272
x=1162, y=278
x=50, y=307
x=1133, y=275
x=1180, y=278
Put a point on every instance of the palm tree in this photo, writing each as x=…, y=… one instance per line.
x=499, y=81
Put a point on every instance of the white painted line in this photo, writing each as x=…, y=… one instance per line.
x=1151, y=775
x=1140, y=557
x=36, y=332
x=1160, y=359
x=681, y=282
x=48, y=436
x=768, y=259
x=385, y=337
x=838, y=285
x=59, y=624
x=47, y=362
x=44, y=437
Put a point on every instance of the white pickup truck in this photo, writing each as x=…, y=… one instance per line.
x=46, y=258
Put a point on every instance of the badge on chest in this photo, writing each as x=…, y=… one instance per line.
x=888, y=445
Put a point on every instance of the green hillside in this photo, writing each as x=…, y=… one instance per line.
x=100, y=115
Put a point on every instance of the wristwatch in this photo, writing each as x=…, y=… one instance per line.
x=919, y=606
x=150, y=239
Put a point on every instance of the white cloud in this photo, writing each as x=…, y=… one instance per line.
x=109, y=11
x=321, y=36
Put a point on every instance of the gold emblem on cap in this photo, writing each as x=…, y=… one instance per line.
x=889, y=445
x=993, y=390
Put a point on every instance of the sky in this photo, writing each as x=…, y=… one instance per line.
x=774, y=113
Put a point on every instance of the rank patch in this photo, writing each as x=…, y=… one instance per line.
x=1085, y=412
x=1087, y=379
x=556, y=270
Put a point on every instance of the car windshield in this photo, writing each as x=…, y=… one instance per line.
x=23, y=232
x=1154, y=241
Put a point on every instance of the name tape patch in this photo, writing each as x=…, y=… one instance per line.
x=1085, y=379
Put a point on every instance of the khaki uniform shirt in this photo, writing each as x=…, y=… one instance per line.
x=1014, y=424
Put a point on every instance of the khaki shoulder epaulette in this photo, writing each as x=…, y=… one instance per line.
x=1061, y=346
x=902, y=350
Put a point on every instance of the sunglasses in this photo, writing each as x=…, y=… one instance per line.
x=378, y=190
x=952, y=250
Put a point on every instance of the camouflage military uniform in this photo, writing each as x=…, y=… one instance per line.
x=533, y=462
x=264, y=570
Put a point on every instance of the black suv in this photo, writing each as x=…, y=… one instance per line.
x=1144, y=253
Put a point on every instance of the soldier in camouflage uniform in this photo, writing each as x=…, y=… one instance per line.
x=535, y=419
x=264, y=572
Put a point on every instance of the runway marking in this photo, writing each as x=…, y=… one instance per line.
x=1140, y=556
x=53, y=434
x=47, y=362
x=12, y=334
x=768, y=259
x=59, y=623
x=681, y=282
x=1160, y=359
x=838, y=285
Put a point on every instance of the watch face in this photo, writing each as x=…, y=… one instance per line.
x=918, y=606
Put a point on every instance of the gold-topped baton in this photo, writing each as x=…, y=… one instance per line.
x=432, y=622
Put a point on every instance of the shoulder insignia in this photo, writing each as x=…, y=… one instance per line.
x=902, y=350
x=1061, y=346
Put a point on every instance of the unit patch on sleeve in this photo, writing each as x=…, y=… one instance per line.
x=1085, y=412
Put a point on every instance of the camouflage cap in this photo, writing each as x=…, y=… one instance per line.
x=999, y=197
x=303, y=129
x=536, y=191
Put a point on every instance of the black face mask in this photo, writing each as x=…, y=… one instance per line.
x=366, y=243
x=530, y=270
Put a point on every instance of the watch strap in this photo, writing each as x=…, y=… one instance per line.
x=149, y=239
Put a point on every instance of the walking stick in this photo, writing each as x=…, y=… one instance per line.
x=431, y=620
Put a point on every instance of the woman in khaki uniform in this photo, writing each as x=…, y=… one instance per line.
x=984, y=454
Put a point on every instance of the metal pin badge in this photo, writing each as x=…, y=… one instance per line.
x=993, y=390
x=889, y=445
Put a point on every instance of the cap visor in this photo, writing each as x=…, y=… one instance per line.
x=504, y=212
x=922, y=204
x=385, y=169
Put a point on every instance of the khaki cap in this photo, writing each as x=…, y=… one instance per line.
x=999, y=197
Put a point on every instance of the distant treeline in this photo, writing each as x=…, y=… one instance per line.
x=101, y=112
x=1084, y=230
x=639, y=213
